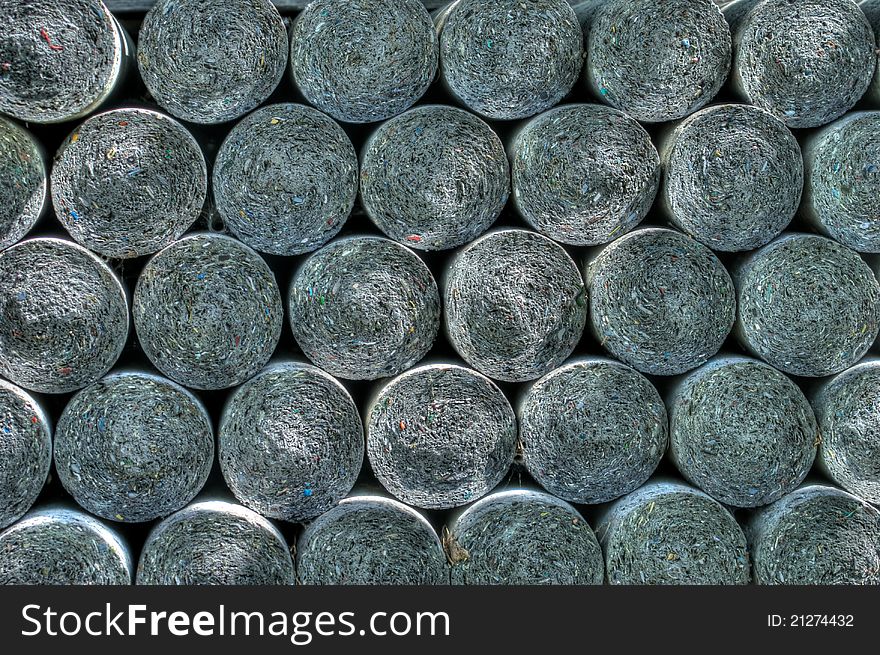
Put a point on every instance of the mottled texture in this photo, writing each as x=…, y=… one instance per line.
x=25, y=451
x=668, y=533
x=733, y=176
x=805, y=61
x=128, y=182
x=63, y=316
x=583, y=174
x=440, y=436
x=509, y=59
x=741, y=431
x=657, y=61
x=842, y=192
x=133, y=447
x=370, y=540
x=214, y=542
x=848, y=410
x=60, y=546
x=22, y=182
x=659, y=301
x=592, y=430
x=208, y=311
x=515, y=304
x=59, y=59
x=871, y=9
x=364, y=307
x=291, y=443
x=285, y=179
x=523, y=537
x=211, y=61
x=817, y=535
x=807, y=305
x=435, y=177
x=363, y=60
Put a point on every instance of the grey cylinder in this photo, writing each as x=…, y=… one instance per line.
x=213, y=542
x=741, y=431
x=659, y=301
x=363, y=60
x=440, y=436
x=371, y=540
x=848, y=410
x=26, y=437
x=364, y=307
x=285, y=179
x=817, y=535
x=668, y=533
x=807, y=305
x=592, y=430
x=133, y=447
x=733, y=176
x=59, y=59
x=807, y=62
x=657, y=61
x=206, y=61
x=56, y=545
x=515, y=304
x=291, y=443
x=842, y=192
x=128, y=182
x=207, y=311
x=523, y=537
x=509, y=59
x=63, y=316
x=435, y=177
x=22, y=182
x=583, y=174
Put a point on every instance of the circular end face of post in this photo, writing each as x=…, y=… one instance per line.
x=668, y=533
x=741, y=431
x=364, y=308
x=207, y=61
x=63, y=316
x=59, y=59
x=291, y=443
x=26, y=443
x=657, y=61
x=128, y=182
x=285, y=179
x=807, y=305
x=215, y=543
x=133, y=447
x=660, y=301
x=848, y=411
x=371, y=540
x=583, y=174
x=805, y=61
x=733, y=176
x=592, y=430
x=363, y=61
x=440, y=436
x=817, y=535
x=208, y=311
x=515, y=304
x=523, y=537
x=60, y=546
x=434, y=178
x=510, y=59
x=22, y=182
x=842, y=196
